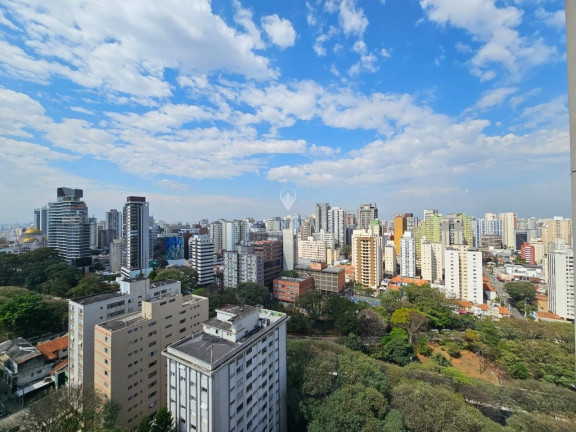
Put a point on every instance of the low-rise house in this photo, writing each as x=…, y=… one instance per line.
x=22, y=363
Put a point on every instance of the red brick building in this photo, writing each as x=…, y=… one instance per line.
x=287, y=289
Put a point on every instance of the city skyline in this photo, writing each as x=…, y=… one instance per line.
x=409, y=104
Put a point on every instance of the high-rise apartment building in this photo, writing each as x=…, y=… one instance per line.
x=400, y=225
x=289, y=249
x=520, y=237
x=560, y=263
x=312, y=250
x=232, y=375
x=217, y=236
x=114, y=222
x=272, y=254
x=407, y=255
x=489, y=225
x=84, y=313
x=321, y=216
x=456, y=229
x=432, y=261
x=201, y=252
x=243, y=266
x=128, y=366
x=508, y=220
x=463, y=273
x=41, y=219
x=115, y=255
x=367, y=258
x=336, y=225
x=367, y=212
x=390, y=259
x=135, y=237
x=556, y=228
x=68, y=226
x=527, y=253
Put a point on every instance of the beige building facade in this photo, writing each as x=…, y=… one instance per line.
x=128, y=367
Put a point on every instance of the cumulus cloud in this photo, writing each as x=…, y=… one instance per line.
x=279, y=30
x=495, y=29
x=555, y=19
x=127, y=49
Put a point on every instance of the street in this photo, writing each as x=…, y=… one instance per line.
x=500, y=292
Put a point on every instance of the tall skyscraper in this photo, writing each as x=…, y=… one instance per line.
x=321, y=216
x=432, y=261
x=401, y=225
x=463, y=273
x=41, y=219
x=232, y=375
x=217, y=235
x=367, y=212
x=114, y=222
x=336, y=225
x=560, y=264
x=201, y=251
x=135, y=237
x=68, y=226
x=390, y=259
x=508, y=226
x=407, y=255
x=367, y=258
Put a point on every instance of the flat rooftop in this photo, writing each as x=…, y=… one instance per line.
x=329, y=269
x=123, y=321
x=210, y=352
x=97, y=298
x=162, y=283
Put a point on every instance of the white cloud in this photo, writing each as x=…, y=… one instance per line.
x=495, y=97
x=352, y=19
x=555, y=19
x=279, y=30
x=127, y=49
x=495, y=28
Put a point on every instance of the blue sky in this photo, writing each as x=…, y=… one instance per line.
x=210, y=109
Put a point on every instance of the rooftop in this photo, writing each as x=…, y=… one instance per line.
x=329, y=269
x=50, y=349
x=211, y=351
x=18, y=350
x=97, y=298
x=123, y=321
x=162, y=283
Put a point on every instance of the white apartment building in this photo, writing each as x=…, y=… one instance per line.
x=407, y=255
x=115, y=255
x=390, y=259
x=128, y=366
x=367, y=258
x=326, y=237
x=242, y=267
x=561, y=283
x=432, y=261
x=509, y=221
x=312, y=250
x=201, y=252
x=463, y=273
x=337, y=224
x=232, y=375
x=289, y=249
x=86, y=312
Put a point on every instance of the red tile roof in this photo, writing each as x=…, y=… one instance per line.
x=484, y=307
x=50, y=349
x=503, y=311
x=548, y=316
x=59, y=366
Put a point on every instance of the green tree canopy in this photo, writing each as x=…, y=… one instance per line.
x=396, y=348
x=312, y=302
x=519, y=291
x=187, y=276
x=26, y=315
x=409, y=319
x=92, y=284
x=252, y=293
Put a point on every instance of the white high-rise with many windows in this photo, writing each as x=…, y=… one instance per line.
x=201, y=250
x=232, y=375
x=463, y=273
x=561, y=282
x=407, y=255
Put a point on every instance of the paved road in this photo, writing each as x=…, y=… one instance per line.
x=499, y=287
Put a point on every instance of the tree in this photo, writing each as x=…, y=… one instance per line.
x=411, y=320
x=144, y=425
x=187, y=276
x=520, y=291
x=92, y=284
x=346, y=250
x=351, y=408
x=393, y=422
x=370, y=324
x=252, y=293
x=163, y=421
x=396, y=348
x=312, y=303
x=431, y=302
x=26, y=315
x=69, y=409
x=289, y=273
